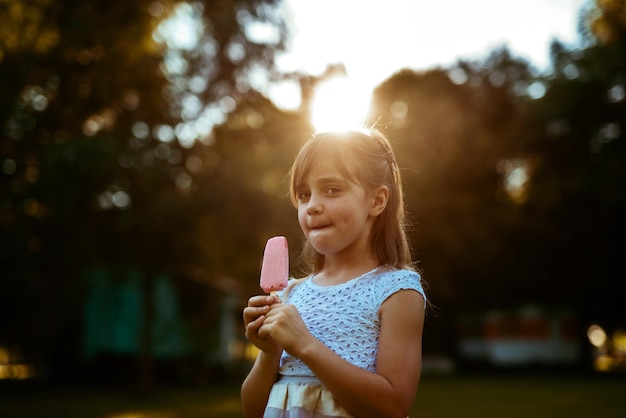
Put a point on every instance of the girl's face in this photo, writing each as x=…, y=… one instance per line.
x=334, y=212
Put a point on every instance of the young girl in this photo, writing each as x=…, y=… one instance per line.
x=346, y=340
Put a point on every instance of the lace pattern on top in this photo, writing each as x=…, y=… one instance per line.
x=345, y=317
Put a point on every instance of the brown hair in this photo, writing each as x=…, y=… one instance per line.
x=366, y=158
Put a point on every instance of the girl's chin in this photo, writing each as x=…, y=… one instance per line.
x=319, y=234
x=318, y=241
x=324, y=247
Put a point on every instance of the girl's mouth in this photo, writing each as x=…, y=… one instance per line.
x=318, y=227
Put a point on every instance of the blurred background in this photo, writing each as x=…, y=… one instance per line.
x=144, y=148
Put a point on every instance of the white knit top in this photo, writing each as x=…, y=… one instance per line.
x=346, y=317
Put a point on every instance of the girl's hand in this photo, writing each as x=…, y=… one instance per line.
x=254, y=316
x=284, y=325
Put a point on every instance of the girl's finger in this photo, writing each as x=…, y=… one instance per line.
x=261, y=300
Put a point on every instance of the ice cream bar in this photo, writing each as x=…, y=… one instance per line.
x=275, y=268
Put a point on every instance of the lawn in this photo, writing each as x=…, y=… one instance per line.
x=439, y=397
x=521, y=397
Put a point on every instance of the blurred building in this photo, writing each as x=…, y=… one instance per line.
x=526, y=337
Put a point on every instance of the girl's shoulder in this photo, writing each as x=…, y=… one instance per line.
x=391, y=280
x=397, y=274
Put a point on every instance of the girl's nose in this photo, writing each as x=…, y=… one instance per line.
x=314, y=206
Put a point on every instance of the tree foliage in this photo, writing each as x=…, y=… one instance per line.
x=455, y=130
x=107, y=112
x=515, y=179
x=578, y=182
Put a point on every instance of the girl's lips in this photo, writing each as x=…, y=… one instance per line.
x=318, y=227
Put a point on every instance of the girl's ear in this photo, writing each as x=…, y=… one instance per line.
x=379, y=202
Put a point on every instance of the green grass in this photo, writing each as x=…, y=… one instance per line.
x=438, y=397
x=517, y=397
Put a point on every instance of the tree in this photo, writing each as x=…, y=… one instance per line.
x=515, y=179
x=577, y=183
x=105, y=124
x=454, y=130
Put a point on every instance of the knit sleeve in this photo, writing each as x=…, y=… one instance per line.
x=396, y=280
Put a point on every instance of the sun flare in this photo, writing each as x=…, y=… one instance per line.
x=338, y=105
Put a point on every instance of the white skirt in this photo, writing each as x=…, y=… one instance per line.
x=302, y=397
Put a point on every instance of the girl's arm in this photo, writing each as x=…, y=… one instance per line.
x=390, y=392
x=256, y=387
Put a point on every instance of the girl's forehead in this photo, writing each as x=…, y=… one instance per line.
x=328, y=166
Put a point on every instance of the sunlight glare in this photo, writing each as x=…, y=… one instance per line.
x=338, y=105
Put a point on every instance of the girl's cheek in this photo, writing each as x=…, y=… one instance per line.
x=302, y=217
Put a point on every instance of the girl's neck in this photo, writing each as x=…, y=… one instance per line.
x=334, y=273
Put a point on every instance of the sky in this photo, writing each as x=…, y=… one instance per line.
x=376, y=38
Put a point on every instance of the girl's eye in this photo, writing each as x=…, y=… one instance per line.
x=303, y=196
x=332, y=190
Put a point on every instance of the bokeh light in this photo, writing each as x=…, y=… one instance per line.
x=12, y=366
x=609, y=351
x=596, y=335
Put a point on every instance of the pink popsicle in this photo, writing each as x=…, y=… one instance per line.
x=275, y=268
